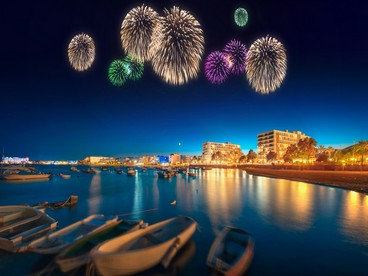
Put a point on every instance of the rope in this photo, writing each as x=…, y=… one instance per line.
x=144, y=211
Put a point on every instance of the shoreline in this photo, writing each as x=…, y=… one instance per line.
x=349, y=180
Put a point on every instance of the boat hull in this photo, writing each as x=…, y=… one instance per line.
x=118, y=256
x=26, y=176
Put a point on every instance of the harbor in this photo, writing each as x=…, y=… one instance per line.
x=283, y=216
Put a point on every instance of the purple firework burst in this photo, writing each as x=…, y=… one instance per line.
x=216, y=67
x=236, y=52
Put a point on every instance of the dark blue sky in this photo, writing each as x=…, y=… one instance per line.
x=52, y=112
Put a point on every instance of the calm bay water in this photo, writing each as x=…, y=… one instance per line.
x=299, y=228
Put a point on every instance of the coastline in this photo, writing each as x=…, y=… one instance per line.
x=350, y=180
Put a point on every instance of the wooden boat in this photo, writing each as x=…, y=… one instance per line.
x=232, y=252
x=56, y=241
x=32, y=176
x=77, y=254
x=74, y=169
x=143, y=249
x=19, y=225
x=65, y=176
x=131, y=172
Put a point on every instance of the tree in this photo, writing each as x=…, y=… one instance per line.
x=361, y=148
x=271, y=156
x=217, y=156
x=307, y=147
x=251, y=156
x=243, y=159
x=322, y=157
x=233, y=156
x=291, y=153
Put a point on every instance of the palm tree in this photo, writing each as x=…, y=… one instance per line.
x=251, y=156
x=362, y=149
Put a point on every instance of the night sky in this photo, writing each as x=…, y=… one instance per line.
x=50, y=111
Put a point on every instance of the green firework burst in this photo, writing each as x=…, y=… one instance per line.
x=241, y=17
x=134, y=67
x=118, y=73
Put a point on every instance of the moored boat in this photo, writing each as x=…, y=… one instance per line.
x=232, y=252
x=56, y=241
x=143, y=249
x=77, y=254
x=131, y=172
x=65, y=176
x=74, y=169
x=32, y=176
x=19, y=225
x=90, y=171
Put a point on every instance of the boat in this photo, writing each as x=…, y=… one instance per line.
x=77, y=254
x=232, y=252
x=90, y=171
x=163, y=174
x=131, y=172
x=105, y=168
x=55, y=242
x=26, y=176
x=191, y=174
x=19, y=225
x=74, y=169
x=65, y=176
x=120, y=172
x=144, y=170
x=143, y=249
x=173, y=202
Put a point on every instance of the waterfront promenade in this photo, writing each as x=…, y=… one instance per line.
x=351, y=180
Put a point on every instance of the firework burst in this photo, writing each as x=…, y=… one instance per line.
x=177, y=47
x=266, y=64
x=81, y=52
x=216, y=67
x=136, y=31
x=118, y=72
x=237, y=54
x=134, y=67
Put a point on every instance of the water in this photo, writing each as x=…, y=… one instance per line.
x=299, y=228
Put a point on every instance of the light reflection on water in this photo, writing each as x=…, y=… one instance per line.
x=321, y=229
x=94, y=199
x=354, y=217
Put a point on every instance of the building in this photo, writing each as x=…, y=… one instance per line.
x=209, y=148
x=100, y=160
x=175, y=158
x=277, y=141
x=15, y=160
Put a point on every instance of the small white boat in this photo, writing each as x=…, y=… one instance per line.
x=74, y=169
x=143, y=249
x=173, y=202
x=65, y=176
x=56, y=241
x=77, y=254
x=19, y=225
x=232, y=252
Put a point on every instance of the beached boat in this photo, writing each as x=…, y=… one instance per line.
x=65, y=176
x=131, y=172
x=56, y=241
x=19, y=225
x=143, y=249
x=77, y=254
x=21, y=176
x=232, y=252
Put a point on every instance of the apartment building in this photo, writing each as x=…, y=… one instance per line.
x=277, y=141
x=209, y=148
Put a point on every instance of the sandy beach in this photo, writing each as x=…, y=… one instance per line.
x=351, y=180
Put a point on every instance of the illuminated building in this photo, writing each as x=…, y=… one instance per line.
x=100, y=160
x=277, y=141
x=209, y=148
x=175, y=158
x=15, y=160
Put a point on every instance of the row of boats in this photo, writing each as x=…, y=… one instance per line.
x=114, y=246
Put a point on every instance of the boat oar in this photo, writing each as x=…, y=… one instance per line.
x=144, y=211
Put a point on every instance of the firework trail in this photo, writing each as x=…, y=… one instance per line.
x=177, y=47
x=266, y=64
x=216, y=67
x=118, y=72
x=136, y=31
x=237, y=54
x=81, y=52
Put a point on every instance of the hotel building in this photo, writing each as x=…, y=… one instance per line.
x=209, y=148
x=277, y=141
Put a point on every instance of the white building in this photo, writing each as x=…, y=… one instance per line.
x=209, y=148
